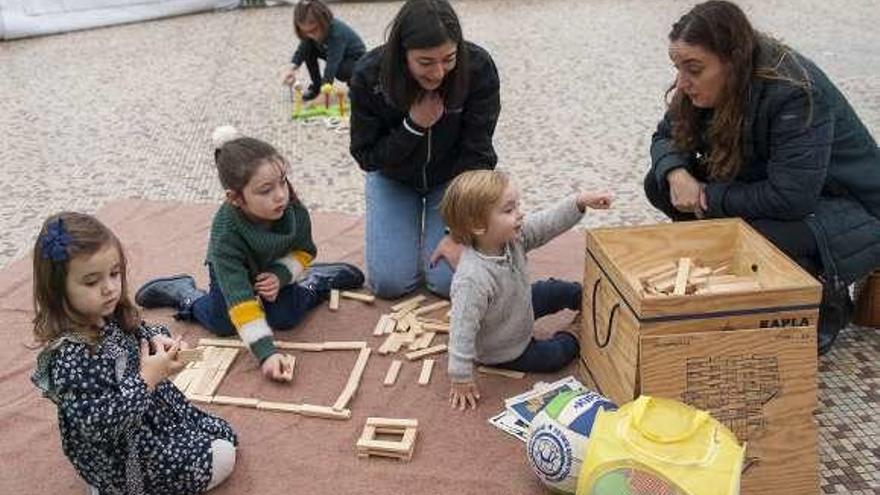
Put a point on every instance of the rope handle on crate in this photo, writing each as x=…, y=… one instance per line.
x=614, y=309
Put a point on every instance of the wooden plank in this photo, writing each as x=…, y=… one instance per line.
x=430, y=308
x=380, y=325
x=411, y=302
x=334, y=300
x=437, y=349
x=423, y=341
x=427, y=368
x=235, y=401
x=190, y=355
x=214, y=384
x=393, y=371
x=229, y=355
x=300, y=346
x=185, y=378
x=323, y=412
x=684, y=268
x=221, y=343
x=202, y=384
x=358, y=296
x=343, y=346
x=390, y=325
x=354, y=380
x=391, y=343
x=436, y=327
x=392, y=422
x=382, y=445
x=204, y=399
x=501, y=372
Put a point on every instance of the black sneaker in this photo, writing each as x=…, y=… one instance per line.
x=177, y=292
x=322, y=277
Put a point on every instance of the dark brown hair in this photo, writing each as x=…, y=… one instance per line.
x=423, y=24
x=238, y=159
x=722, y=28
x=86, y=235
x=311, y=10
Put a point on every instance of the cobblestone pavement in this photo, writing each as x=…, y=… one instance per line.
x=127, y=111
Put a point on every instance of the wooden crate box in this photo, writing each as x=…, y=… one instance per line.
x=748, y=356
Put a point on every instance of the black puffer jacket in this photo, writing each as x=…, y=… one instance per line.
x=461, y=140
x=807, y=156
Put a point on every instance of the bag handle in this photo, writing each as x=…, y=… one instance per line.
x=602, y=344
x=698, y=419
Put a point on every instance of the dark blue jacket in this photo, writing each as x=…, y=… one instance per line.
x=807, y=156
x=341, y=43
x=461, y=140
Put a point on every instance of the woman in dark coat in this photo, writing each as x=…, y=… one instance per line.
x=757, y=131
x=424, y=108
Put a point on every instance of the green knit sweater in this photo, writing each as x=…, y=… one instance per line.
x=239, y=250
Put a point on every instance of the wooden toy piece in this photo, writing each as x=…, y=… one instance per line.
x=340, y=97
x=297, y=100
x=235, y=401
x=393, y=371
x=436, y=327
x=423, y=341
x=221, y=343
x=327, y=89
x=501, y=372
x=300, y=346
x=431, y=307
x=343, y=346
x=228, y=358
x=392, y=343
x=411, y=302
x=380, y=325
x=358, y=296
x=437, y=349
x=305, y=409
x=684, y=268
x=288, y=362
x=353, y=380
x=334, y=300
x=427, y=367
x=183, y=379
x=390, y=325
x=368, y=445
x=190, y=355
x=205, y=399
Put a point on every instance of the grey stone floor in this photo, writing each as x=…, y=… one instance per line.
x=127, y=112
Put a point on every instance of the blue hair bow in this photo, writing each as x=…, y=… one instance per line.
x=55, y=241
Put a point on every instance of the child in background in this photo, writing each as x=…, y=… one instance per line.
x=261, y=241
x=325, y=37
x=493, y=305
x=124, y=426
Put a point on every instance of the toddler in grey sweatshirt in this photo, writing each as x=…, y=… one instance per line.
x=494, y=306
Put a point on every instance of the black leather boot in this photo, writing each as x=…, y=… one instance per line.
x=322, y=277
x=835, y=313
x=177, y=292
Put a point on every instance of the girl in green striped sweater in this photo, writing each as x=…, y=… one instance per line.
x=261, y=243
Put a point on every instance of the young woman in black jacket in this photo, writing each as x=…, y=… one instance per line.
x=424, y=109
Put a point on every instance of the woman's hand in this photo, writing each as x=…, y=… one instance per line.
x=276, y=368
x=463, y=395
x=159, y=365
x=686, y=192
x=289, y=76
x=447, y=249
x=427, y=109
x=267, y=286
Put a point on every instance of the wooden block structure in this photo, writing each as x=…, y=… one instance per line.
x=410, y=324
x=199, y=380
x=740, y=342
x=190, y=355
x=368, y=445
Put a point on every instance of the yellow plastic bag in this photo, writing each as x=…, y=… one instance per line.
x=655, y=446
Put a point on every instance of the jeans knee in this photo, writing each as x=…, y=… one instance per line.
x=389, y=287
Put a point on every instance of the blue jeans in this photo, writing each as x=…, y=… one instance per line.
x=546, y=356
x=291, y=305
x=403, y=228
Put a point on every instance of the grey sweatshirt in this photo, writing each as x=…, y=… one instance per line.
x=492, y=316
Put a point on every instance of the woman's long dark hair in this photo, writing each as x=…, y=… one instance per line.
x=722, y=28
x=423, y=24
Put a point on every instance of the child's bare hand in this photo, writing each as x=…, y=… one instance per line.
x=267, y=286
x=463, y=395
x=166, y=342
x=428, y=109
x=289, y=76
x=596, y=201
x=275, y=368
x=159, y=365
